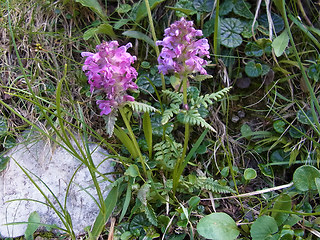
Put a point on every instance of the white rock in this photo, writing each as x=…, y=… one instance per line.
x=55, y=167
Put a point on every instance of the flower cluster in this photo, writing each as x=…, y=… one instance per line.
x=109, y=70
x=182, y=52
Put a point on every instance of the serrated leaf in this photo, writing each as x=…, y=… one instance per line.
x=140, y=36
x=230, y=30
x=203, y=5
x=151, y=216
x=276, y=19
x=143, y=193
x=208, y=27
x=280, y=43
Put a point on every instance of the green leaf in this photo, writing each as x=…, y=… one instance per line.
x=317, y=182
x=253, y=69
x=203, y=5
x=276, y=19
x=123, y=8
x=3, y=126
x=230, y=30
x=151, y=215
x=265, y=227
x=110, y=202
x=208, y=28
x=225, y=7
x=249, y=174
x=242, y=9
x=147, y=130
x=314, y=72
x=304, y=178
x=305, y=117
x=194, y=201
x=33, y=224
x=252, y=49
x=143, y=193
x=104, y=28
x=218, y=226
x=246, y=131
x=279, y=156
x=132, y=171
x=142, y=9
x=3, y=162
x=283, y=202
x=279, y=126
x=266, y=170
x=280, y=43
x=140, y=36
x=94, y=5
x=297, y=132
x=126, y=141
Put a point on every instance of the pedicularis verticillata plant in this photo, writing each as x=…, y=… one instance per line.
x=109, y=71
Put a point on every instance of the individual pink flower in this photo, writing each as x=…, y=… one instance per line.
x=182, y=52
x=110, y=71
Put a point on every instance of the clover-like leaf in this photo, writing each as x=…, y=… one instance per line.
x=230, y=32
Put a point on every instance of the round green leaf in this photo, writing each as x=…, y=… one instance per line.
x=298, y=132
x=279, y=156
x=279, y=126
x=208, y=27
x=265, y=227
x=314, y=72
x=253, y=69
x=252, y=49
x=226, y=7
x=276, y=19
x=283, y=202
x=250, y=174
x=218, y=226
x=304, y=178
x=305, y=117
x=230, y=30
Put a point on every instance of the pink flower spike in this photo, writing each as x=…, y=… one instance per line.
x=182, y=52
x=110, y=70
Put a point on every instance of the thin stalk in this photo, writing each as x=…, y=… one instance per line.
x=282, y=7
x=178, y=171
x=216, y=42
x=133, y=139
x=154, y=36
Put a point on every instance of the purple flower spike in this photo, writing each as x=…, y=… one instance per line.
x=182, y=52
x=110, y=71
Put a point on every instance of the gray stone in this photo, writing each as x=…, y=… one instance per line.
x=54, y=166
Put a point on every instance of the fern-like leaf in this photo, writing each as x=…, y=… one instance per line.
x=207, y=99
x=193, y=117
x=141, y=107
x=166, y=154
x=210, y=184
x=168, y=113
x=176, y=98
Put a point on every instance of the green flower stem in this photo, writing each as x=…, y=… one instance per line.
x=179, y=165
x=154, y=36
x=133, y=139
